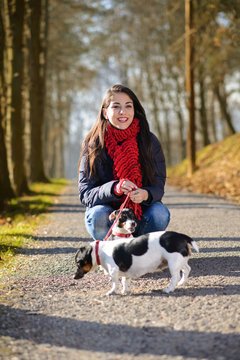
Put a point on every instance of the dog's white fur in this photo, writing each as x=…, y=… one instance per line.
x=148, y=262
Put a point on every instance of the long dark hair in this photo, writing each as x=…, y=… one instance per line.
x=93, y=144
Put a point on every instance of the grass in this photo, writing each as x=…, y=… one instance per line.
x=217, y=173
x=22, y=215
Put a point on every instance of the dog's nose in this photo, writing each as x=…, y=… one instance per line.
x=77, y=275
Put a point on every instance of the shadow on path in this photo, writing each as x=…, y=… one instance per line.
x=202, y=205
x=116, y=338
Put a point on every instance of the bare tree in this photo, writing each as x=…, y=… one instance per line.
x=190, y=85
x=6, y=191
x=14, y=12
x=221, y=96
x=36, y=94
x=202, y=107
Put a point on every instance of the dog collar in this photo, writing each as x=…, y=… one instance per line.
x=122, y=235
x=96, y=252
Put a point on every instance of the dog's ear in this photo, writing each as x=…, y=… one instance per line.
x=83, y=252
x=79, y=253
x=113, y=215
x=88, y=250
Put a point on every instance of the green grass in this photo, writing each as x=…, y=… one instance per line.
x=22, y=215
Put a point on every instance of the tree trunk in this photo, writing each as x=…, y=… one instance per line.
x=152, y=93
x=46, y=119
x=36, y=95
x=222, y=99
x=189, y=51
x=181, y=134
x=168, y=139
x=6, y=191
x=180, y=120
x=202, y=111
x=212, y=118
x=61, y=155
x=16, y=16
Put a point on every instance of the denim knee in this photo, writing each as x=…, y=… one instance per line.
x=97, y=221
x=155, y=218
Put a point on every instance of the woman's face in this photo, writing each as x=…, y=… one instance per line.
x=120, y=111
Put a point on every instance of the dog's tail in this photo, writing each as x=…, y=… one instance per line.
x=194, y=245
x=191, y=242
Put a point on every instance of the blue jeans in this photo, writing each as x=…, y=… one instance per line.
x=155, y=218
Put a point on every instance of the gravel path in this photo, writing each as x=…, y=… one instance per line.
x=45, y=314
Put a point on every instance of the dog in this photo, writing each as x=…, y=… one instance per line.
x=125, y=225
x=137, y=257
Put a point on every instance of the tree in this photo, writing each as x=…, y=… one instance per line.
x=220, y=93
x=190, y=85
x=217, y=57
x=6, y=191
x=70, y=71
x=37, y=87
x=14, y=11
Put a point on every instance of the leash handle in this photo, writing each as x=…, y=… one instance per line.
x=121, y=209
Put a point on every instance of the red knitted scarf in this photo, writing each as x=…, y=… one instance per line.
x=123, y=149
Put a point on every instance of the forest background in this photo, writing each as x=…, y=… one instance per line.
x=57, y=58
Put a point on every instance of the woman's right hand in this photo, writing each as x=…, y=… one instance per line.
x=127, y=186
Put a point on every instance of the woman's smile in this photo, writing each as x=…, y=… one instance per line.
x=120, y=111
x=122, y=119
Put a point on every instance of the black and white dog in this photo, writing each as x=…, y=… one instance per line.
x=125, y=225
x=137, y=257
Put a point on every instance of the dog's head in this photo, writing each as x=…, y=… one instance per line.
x=127, y=219
x=83, y=261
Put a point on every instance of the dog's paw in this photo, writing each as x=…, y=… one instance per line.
x=167, y=290
x=111, y=292
x=181, y=282
x=125, y=292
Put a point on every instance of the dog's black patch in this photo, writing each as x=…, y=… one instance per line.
x=139, y=245
x=122, y=254
x=122, y=257
x=175, y=242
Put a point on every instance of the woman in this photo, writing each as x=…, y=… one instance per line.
x=120, y=155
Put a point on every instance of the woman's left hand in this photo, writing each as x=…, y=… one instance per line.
x=139, y=195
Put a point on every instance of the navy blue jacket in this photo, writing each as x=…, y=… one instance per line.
x=99, y=190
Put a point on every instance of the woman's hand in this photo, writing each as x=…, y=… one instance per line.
x=139, y=195
x=127, y=186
